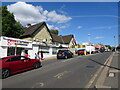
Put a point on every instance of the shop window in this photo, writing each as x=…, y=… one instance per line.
x=12, y=51
x=54, y=51
x=44, y=49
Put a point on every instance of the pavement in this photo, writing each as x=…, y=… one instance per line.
x=109, y=75
x=53, y=58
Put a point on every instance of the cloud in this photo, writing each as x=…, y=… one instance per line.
x=99, y=37
x=79, y=27
x=27, y=13
x=64, y=26
x=52, y=27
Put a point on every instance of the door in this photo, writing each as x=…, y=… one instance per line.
x=16, y=64
x=27, y=62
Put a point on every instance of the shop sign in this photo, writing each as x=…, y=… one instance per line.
x=12, y=42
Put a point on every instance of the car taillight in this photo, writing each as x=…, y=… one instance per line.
x=63, y=53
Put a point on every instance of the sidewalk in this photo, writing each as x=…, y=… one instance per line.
x=109, y=76
x=49, y=58
x=54, y=58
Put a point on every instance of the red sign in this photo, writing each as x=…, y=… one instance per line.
x=11, y=42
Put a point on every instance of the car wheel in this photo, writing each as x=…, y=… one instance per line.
x=66, y=57
x=5, y=73
x=36, y=65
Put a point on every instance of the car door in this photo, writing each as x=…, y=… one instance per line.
x=27, y=62
x=68, y=54
x=16, y=64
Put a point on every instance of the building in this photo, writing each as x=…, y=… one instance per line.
x=40, y=33
x=13, y=46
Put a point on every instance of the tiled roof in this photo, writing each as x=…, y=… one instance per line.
x=31, y=29
x=62, y=39
x=57, y=38
x=67, y=38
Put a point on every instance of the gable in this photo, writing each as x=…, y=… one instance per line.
x=42, y=35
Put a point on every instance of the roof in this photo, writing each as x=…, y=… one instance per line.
x=57, y=38
x=67, y=38
x=62, y=39
x=33, y=29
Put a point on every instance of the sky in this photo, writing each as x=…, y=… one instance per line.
x=95, y=20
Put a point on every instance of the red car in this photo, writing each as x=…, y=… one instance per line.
x=81, y=51
x=13, y=64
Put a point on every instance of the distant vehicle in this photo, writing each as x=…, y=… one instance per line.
x=13, y=64
x=81, y=52
x=102, y=50
x=90, y=48
x=64, y=54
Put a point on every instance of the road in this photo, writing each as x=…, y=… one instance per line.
x=64, y=73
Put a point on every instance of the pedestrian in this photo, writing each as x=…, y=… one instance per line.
x=37, y=56
x=26, y=55
x=41, y=55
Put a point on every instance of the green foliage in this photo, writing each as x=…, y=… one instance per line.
x=10, y=27
x=54, y=32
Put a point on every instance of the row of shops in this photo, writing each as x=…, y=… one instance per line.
x=13, y=46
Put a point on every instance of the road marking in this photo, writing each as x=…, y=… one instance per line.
x=60, y=75
x=96, y=74
x=37, y=85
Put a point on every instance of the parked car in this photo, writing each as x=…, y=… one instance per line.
x=81, y=52
x=64, y=54
x=13, y=64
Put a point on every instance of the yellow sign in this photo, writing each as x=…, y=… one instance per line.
x=16, y=45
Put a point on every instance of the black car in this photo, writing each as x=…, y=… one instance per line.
x=64, y=54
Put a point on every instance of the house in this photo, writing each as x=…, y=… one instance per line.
x=50, y=43
x=65, y=41
x=38, y=32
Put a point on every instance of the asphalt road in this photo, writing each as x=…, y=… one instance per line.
x=64, y=73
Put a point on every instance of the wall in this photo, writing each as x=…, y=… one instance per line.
x=3, y=51
x=72, y=49
x=27, y=39
x=43, y=34
x=32, y=51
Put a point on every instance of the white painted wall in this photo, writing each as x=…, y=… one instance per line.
x=32, y=51
x=3, y=52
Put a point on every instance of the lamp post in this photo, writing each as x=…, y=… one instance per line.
x=115, y=43
x=89, y=42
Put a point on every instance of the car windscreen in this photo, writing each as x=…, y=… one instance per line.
x=81, y=50
x=62, y=51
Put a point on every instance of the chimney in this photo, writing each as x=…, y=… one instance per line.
x=28, y=25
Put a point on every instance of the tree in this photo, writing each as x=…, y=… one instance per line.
x=10, y=27
x=54, y=32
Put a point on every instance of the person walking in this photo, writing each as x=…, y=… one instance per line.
x=41, y=55
x=26, y=55
x=37, y=56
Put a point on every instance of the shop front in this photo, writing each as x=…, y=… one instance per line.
x=13, y=46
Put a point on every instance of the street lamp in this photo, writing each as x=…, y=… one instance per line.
x=89, y=42
x=115, y=43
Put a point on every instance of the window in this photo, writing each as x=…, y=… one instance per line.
x=24, y=58
x=13, y=59
x=44, y=49
x=54, y=50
